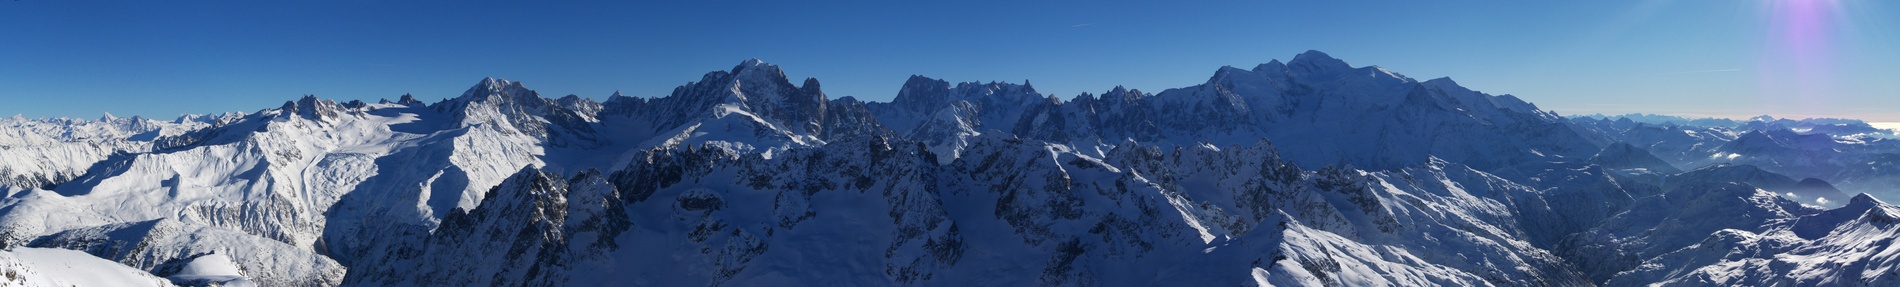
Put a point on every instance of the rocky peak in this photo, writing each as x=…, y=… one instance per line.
x=768, y=93
x=408, y=100
x=969, y=90
x=847, y=118
x=811, y=86
x=753, y=86
x=1864, y=199
x=1123, y=94
x=1271, y=66
x=310, y=107
x=495, y=98
x=754, y=67
x=583, y=106
x=492, y=88
x=530, y=190
x=922, y=93
x=513, y=108
x=1869, y=208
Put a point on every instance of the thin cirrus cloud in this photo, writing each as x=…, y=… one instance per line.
x=1700, y=72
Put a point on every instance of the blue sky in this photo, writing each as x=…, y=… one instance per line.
x=1703, y=58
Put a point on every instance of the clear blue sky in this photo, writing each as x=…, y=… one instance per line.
x=1717, y=58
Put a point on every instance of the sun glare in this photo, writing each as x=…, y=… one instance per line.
x=1799, y=60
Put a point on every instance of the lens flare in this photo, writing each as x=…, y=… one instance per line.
x=1798, y=64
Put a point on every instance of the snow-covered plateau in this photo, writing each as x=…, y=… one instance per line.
x=1309, y=172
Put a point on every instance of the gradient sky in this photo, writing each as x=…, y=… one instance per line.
x=1791, y=58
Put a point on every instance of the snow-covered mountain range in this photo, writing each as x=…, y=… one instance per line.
x=1296, y=173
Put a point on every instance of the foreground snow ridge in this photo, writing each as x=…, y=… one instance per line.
x=1309, y=172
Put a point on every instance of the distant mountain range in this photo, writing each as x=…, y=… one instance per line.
x=1309, y=172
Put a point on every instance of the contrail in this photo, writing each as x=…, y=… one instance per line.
x=1081, y=25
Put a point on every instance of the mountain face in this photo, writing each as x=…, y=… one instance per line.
x=1366, y=117
x=1626, y=156
x=44, y=152
x=1309, y=172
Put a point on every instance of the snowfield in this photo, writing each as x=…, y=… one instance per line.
x=60, y=267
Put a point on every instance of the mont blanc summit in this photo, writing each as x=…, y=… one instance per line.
x=1308, y=172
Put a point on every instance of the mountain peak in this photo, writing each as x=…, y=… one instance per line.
x=1863, y=198
x=754, y=86
x=754, y=68
x=1226, y=71
x=751, y=63
x=1814, y=183
x=492, y=83
x=311, y=107
x=1441, y=81
x=1274, y=65
x=490, y=86
x=1312, y=54
x=922, y=93
x=810, y=84
x=1315, y=57
x=408, y=100
x=1316, y=62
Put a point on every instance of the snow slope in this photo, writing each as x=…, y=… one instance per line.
x=60, y=267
